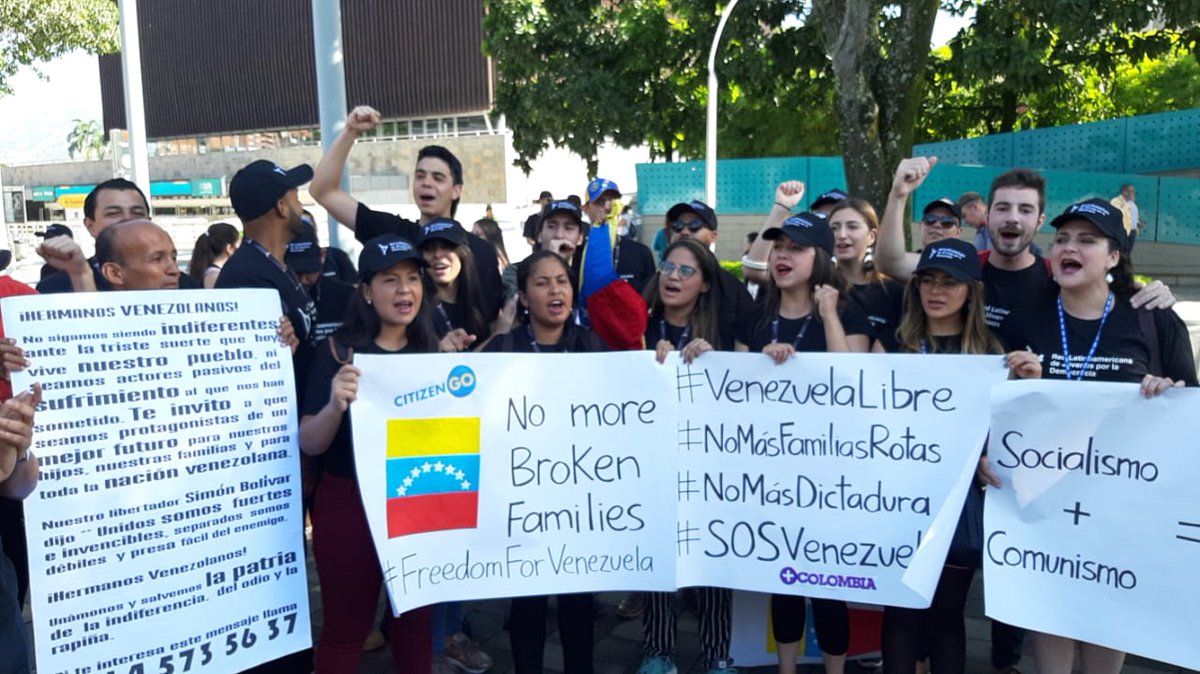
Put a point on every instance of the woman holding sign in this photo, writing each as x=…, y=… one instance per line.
x=944, y=313
x=390, y=314
x=547, y=296
x=1086, y=330
x=805, y=310
x=685, y=316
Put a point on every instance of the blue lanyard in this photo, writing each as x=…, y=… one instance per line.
x=537, y=348
x=924, y=346
x=287, y=273
x=1062, y=329
x=683, y=338
x=799, y=335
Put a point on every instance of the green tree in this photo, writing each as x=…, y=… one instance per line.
x=87, y=140
x=33, y=31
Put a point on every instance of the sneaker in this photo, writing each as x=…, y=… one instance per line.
x=632, y=605
x=466, y=654
x=374, y=641
x=657, y=666
x=443, y=666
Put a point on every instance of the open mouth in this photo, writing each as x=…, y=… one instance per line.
x=404, y=307
x=782, y=269
x=556, y=307
x=1069, y=266
x=1010, y=236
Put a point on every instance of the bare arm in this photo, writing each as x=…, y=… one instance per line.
x=318, y=430
x=326, y=185
x=891, y=257
x=787, y=195
x=18, y=479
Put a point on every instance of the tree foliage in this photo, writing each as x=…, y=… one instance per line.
x=33, y=31
x=86, y=140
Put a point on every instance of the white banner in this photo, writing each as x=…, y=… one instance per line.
x=166, y=531
x=1095, y=534
x=833, y=475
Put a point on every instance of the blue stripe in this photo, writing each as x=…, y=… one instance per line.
x=432, y=474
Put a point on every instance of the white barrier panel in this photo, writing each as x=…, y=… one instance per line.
x=166, y=531
x=834, y=475
x=1095, y=534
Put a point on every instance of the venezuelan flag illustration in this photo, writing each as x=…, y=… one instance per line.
x=432, y=475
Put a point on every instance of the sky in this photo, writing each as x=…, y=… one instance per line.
x=39, y=114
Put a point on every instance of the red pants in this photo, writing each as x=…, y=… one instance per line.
x=350, y=582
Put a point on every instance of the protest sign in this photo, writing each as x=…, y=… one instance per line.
x=839, y=476
x=1096, y=528
x=833, y=476
x=497, y=475
x=166, y=531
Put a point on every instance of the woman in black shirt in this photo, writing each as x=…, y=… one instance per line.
x=855, y=227
x=460, y=308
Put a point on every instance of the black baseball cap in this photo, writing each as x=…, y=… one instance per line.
x=256, y=188
x=303, y=254
x=54, y=230
x=445, y=229
x=700, y=208
x=806, y=229
x=383, y=253
x=825, y=198
x=563, y=207
x=953, y=256
x=943, y=202
x=1105, y=216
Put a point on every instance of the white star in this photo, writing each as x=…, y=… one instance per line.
x=416, y=472
x=400, y=491
x=437, y=467
x=459, y=475
x=426, y=467
x=450, y=468
x=408, y=482
x=466, y=485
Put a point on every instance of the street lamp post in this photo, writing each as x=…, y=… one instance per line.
x=710, y=140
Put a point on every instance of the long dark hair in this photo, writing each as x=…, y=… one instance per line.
x=525, y=268
x=209, y=247
x=362, y=324
x=704, y=317
x=824, y=272
x=468, y=293
x=491, y=232
x=977, y=338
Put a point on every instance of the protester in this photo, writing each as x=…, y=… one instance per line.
x=547, y=296
x=1085, y=329
x=389, y=315
x=489, y=229
x=825, y=202
x=54, y=230
x=108, y=203
x=804, y=309
x=335, y=262
x=855, y=226
x=685, y=316
x=331, y=296
x=459, y=320
x=211, y=251
x=531, y=223
x=1126, y=202
x=633, y=261
x=944, y=314
x=940, y=219
x=695, y=220
x=787, y=196
x=437, y=187
x=974, y=213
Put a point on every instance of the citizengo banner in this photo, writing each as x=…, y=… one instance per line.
x=1097, y=526
x=834, y=475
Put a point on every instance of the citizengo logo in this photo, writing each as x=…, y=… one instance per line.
x=459, y=383
x=790, y=576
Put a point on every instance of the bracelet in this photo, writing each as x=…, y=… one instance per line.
x=757, y=265
x=789, y=210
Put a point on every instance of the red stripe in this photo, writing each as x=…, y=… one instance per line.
x=432, y=512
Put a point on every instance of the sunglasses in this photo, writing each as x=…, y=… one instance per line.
x=929, y=282
x=686, y=271
x=693, y=225
x=943, y=221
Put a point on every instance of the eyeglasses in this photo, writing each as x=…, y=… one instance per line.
x=686, y=271
x=693, y=225
x=943, y=221
x=945, y=283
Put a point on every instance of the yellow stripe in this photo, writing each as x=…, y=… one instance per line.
x=428, y=437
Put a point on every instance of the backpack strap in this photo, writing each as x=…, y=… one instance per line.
x=1150, y=332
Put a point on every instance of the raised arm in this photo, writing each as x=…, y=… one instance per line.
x=326, y=185
x=754, y=264
x=891, y=256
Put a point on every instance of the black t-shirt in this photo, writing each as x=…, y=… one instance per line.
x=806, y=333
x=883, y=304
x=447, y=316
x=332, y=298
x=369, y=224
x=59, y=282
x=338, y=265
x=575, y=339
x=531, y=226
x=634, y=262
x=736, y=317
x=339, y=458
x=250, y=267
x=1123, y=353
x=1011, y=297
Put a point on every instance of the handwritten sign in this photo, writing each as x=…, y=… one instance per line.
x=1097, y=527
x=505, y=475
x=830, y=476
x=165, y=533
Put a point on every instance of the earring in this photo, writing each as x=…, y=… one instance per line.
x=1108, y=278
x=368, y=301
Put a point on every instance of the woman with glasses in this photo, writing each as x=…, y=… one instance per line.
x=685, y=315
x=944, y=313
x=805, y=310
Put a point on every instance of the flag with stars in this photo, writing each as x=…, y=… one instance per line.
x=432, y=475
